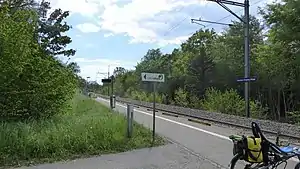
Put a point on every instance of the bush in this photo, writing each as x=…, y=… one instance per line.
x=194, y=102
x=293, y=117
x=158, y=98
x=137, y=95
x=89, y=128
x=181, y=98
x=33, y=85
x=46, y=93
x=143, y=96
x=229, y=102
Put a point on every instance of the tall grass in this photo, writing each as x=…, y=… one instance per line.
x=89, y=128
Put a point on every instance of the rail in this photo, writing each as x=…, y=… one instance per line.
x=209, y=119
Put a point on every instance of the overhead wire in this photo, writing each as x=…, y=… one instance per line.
x=178, y=24
x=185, y=18
x=238, y=11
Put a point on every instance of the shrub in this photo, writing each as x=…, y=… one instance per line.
x=137, y=95
x=195, y=102
x=158, y=98
x=229, y=102
x=33, y=85
x=181, y=98
x=293, y=117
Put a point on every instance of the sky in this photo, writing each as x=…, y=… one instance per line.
x=110, y=33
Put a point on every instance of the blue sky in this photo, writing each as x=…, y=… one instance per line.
x=119, y=32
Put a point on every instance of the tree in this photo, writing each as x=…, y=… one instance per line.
x=281, y=18
x=15, y=5
x=208, y=60
x=74, y=67
x=50, y=31
x=119, y=71
x=200, y=65
x=34, y=84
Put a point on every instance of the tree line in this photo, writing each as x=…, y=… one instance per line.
x=34, y=82
x=202, y=73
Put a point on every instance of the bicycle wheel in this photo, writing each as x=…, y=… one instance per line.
x=297, y=166
x=234, y=160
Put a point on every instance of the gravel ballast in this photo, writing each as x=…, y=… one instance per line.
x=272, y=126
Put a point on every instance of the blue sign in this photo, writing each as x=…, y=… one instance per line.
x=249, y=79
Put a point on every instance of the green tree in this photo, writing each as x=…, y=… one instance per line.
x=33, y=83
x=208, y=60
x=74, y=67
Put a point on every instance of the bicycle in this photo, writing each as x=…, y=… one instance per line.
x=273, y=156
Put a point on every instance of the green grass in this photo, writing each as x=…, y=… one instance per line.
x=89, y=128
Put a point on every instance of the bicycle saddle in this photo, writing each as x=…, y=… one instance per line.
x=287, y=149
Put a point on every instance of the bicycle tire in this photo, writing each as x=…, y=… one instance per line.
x=235, y=159
x=297, y=166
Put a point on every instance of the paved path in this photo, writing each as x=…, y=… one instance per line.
x=195, y=146
x=210, y=142
x=169, y=156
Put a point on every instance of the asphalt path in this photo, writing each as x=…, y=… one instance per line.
x=169, y=156
x=195, y=145
x=209, y=142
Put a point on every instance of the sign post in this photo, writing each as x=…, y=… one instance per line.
x=246, y=81
x=107, y=81
x=153, y=117
x=154, y=78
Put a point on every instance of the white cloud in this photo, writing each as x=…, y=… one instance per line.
x=141, y=20
x=134, y=19
x=90, y=67
x=88, y=27
x=177, y=40
x=108, y=35
x=83, y=7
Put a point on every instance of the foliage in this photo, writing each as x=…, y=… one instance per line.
x=41, y=120
x=34, y=84
x=293, y=117
x=229, y=102
x=209, y=60
x=181, y=98
x=89, y=128
x=139, y=95
x=143, y=96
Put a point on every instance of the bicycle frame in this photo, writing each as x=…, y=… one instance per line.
x=276, y=156
x=280, y=156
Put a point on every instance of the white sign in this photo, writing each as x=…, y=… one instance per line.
x=153, y=77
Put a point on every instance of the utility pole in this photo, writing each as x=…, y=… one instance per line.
x=247, y=58
x=108, y=78
x=112, y=84
x=246, y=21
x=108, y=72
x=86, y=85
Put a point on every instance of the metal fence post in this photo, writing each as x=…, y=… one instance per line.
x=113, y=101
x=129, y=120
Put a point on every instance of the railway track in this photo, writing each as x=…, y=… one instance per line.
x=294, y=139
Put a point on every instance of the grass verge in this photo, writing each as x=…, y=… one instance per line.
x=89, y=128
